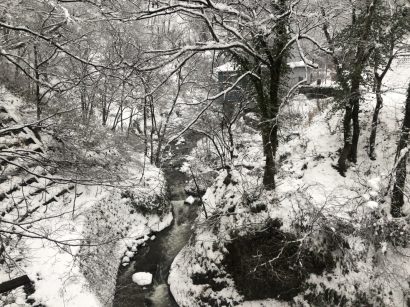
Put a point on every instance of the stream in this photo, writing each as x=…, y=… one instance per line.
x=157, y=256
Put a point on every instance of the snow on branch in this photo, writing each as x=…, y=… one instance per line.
x=33, y=124
x=51, y=41
x=209, y=46
x=211, y=100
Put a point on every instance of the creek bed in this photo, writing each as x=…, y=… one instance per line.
x=157, y=256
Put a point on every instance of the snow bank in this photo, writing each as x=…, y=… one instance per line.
x=111, y=219
x=206, y=253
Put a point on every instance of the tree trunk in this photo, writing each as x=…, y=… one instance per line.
x=104, y=113
x=378, y=80
x=116, y=119
x=269, y=138
x=356, y=128
x=83, y=100
x=83, y=94
x=268, y=105
x=375, y=119
x=37, y=85
x=269, y=127
x=153, y=129
x=130, y=123
x=401, y=161
x=121, y=118
x=14, y=283
x=90, y=111
x=231, y=142
x=347, y=137
x=350, y=138
x=145, y=128
x=362, y=54
x=161, y=137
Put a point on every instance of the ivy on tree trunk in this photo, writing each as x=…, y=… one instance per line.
x=397, y=199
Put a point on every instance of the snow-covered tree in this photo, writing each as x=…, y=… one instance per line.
x=351, y=45
x=390, y=33
x=258, y=36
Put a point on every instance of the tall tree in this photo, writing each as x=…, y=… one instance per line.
x=354, y=40
x=389, y=34
x=397, y=198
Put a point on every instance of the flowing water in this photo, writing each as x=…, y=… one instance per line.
x=158, y=255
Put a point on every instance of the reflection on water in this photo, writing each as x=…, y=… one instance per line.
x=159, y=297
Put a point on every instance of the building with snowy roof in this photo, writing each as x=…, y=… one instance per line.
x=229, y=73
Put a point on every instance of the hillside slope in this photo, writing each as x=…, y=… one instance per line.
x=68, y=234
x=332, y=238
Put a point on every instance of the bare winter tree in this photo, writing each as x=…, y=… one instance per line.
x=34, y=58
x=257, y=36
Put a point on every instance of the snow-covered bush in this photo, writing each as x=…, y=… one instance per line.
x=271, y=263
x=146, y=203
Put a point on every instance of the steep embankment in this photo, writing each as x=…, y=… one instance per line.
x=68, y=237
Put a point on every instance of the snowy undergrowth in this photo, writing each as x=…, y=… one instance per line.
x=197, y=277
x=345, y=216
x=374, y=269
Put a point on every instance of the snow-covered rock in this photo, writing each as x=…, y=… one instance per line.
x=129, y=254
x=142, y=278
x=125, y=259
x=190, y=200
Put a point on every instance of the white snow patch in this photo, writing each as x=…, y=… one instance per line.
x=374, y=183
x=230, y=66
x=180, y=141
x=296, y=64
x=372, y=204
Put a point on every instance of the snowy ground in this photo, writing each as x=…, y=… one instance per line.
x=311, y=191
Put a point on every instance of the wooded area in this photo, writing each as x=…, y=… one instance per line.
x=286, y=123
